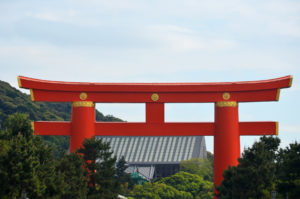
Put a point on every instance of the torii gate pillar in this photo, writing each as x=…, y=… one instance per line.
x=82, y=123
x=227, y=138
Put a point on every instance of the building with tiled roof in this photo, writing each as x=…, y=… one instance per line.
x=156, y=156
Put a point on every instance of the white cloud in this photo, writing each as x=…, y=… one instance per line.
x=115, y=4
x=181, y=39
x=286, y=28
x=54, y=16
x=202, y=40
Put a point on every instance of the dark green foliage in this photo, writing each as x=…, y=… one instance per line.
x=74, y=176
x=60, y=144
x=18, y=124
x=107, y=118
x=23, y=163
x=210, y=158
x=28, y=168
x=262, y=169
x=101, y=167
x=12, y=101
x=22, y=167
x=121, y=167
x=254, y=177
x=288, y=171
x=47, y=173
x=125, y=179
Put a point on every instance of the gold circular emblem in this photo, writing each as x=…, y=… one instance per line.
x=83, y=96
x=226, y=96
x=154, y=97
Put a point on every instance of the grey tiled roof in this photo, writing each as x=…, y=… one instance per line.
x=157, y=149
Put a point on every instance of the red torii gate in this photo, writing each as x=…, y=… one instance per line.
x=226, y=128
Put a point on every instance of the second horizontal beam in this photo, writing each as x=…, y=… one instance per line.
x=155, y=129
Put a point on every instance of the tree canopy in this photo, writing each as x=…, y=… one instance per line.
x=29, y=169
x=263, y=168
x=288, y=171
x=101, y=169
x=199, y=166
x=191, y=183
x=158, y=191
x=179, y=185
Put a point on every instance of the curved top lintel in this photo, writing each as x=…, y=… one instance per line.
x=31, y=83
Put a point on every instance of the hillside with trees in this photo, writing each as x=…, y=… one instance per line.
x=13, y=101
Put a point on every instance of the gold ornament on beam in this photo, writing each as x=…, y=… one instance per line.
x=226, y=96
x=83, y=96
x=155, y=97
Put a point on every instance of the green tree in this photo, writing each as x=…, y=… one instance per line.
x=158, y=191
x=191, y=183
x=101, y=167
x=20, y=163
x=28, y=167
x=288, y=171
x=254, y=177
x=17, y=124
x=74, y=177
x=125, y=180
x=47, y=173
x=121, y=166
x=210, y=158
x=199, y=166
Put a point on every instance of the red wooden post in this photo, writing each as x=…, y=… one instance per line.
x=227, y=138
x=155, y=112
x=82, y=123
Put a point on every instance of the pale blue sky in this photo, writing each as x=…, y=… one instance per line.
x=159, y=41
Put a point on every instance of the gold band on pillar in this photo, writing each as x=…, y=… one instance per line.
x=83, y=104
x=227, y=104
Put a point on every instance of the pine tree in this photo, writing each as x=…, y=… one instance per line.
x=121, y=166
x=254, y=177
x=27, y=164
x=288, y=171
x=74, y=176
x=125, y=180
x=101, y=167
x=20, y=163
